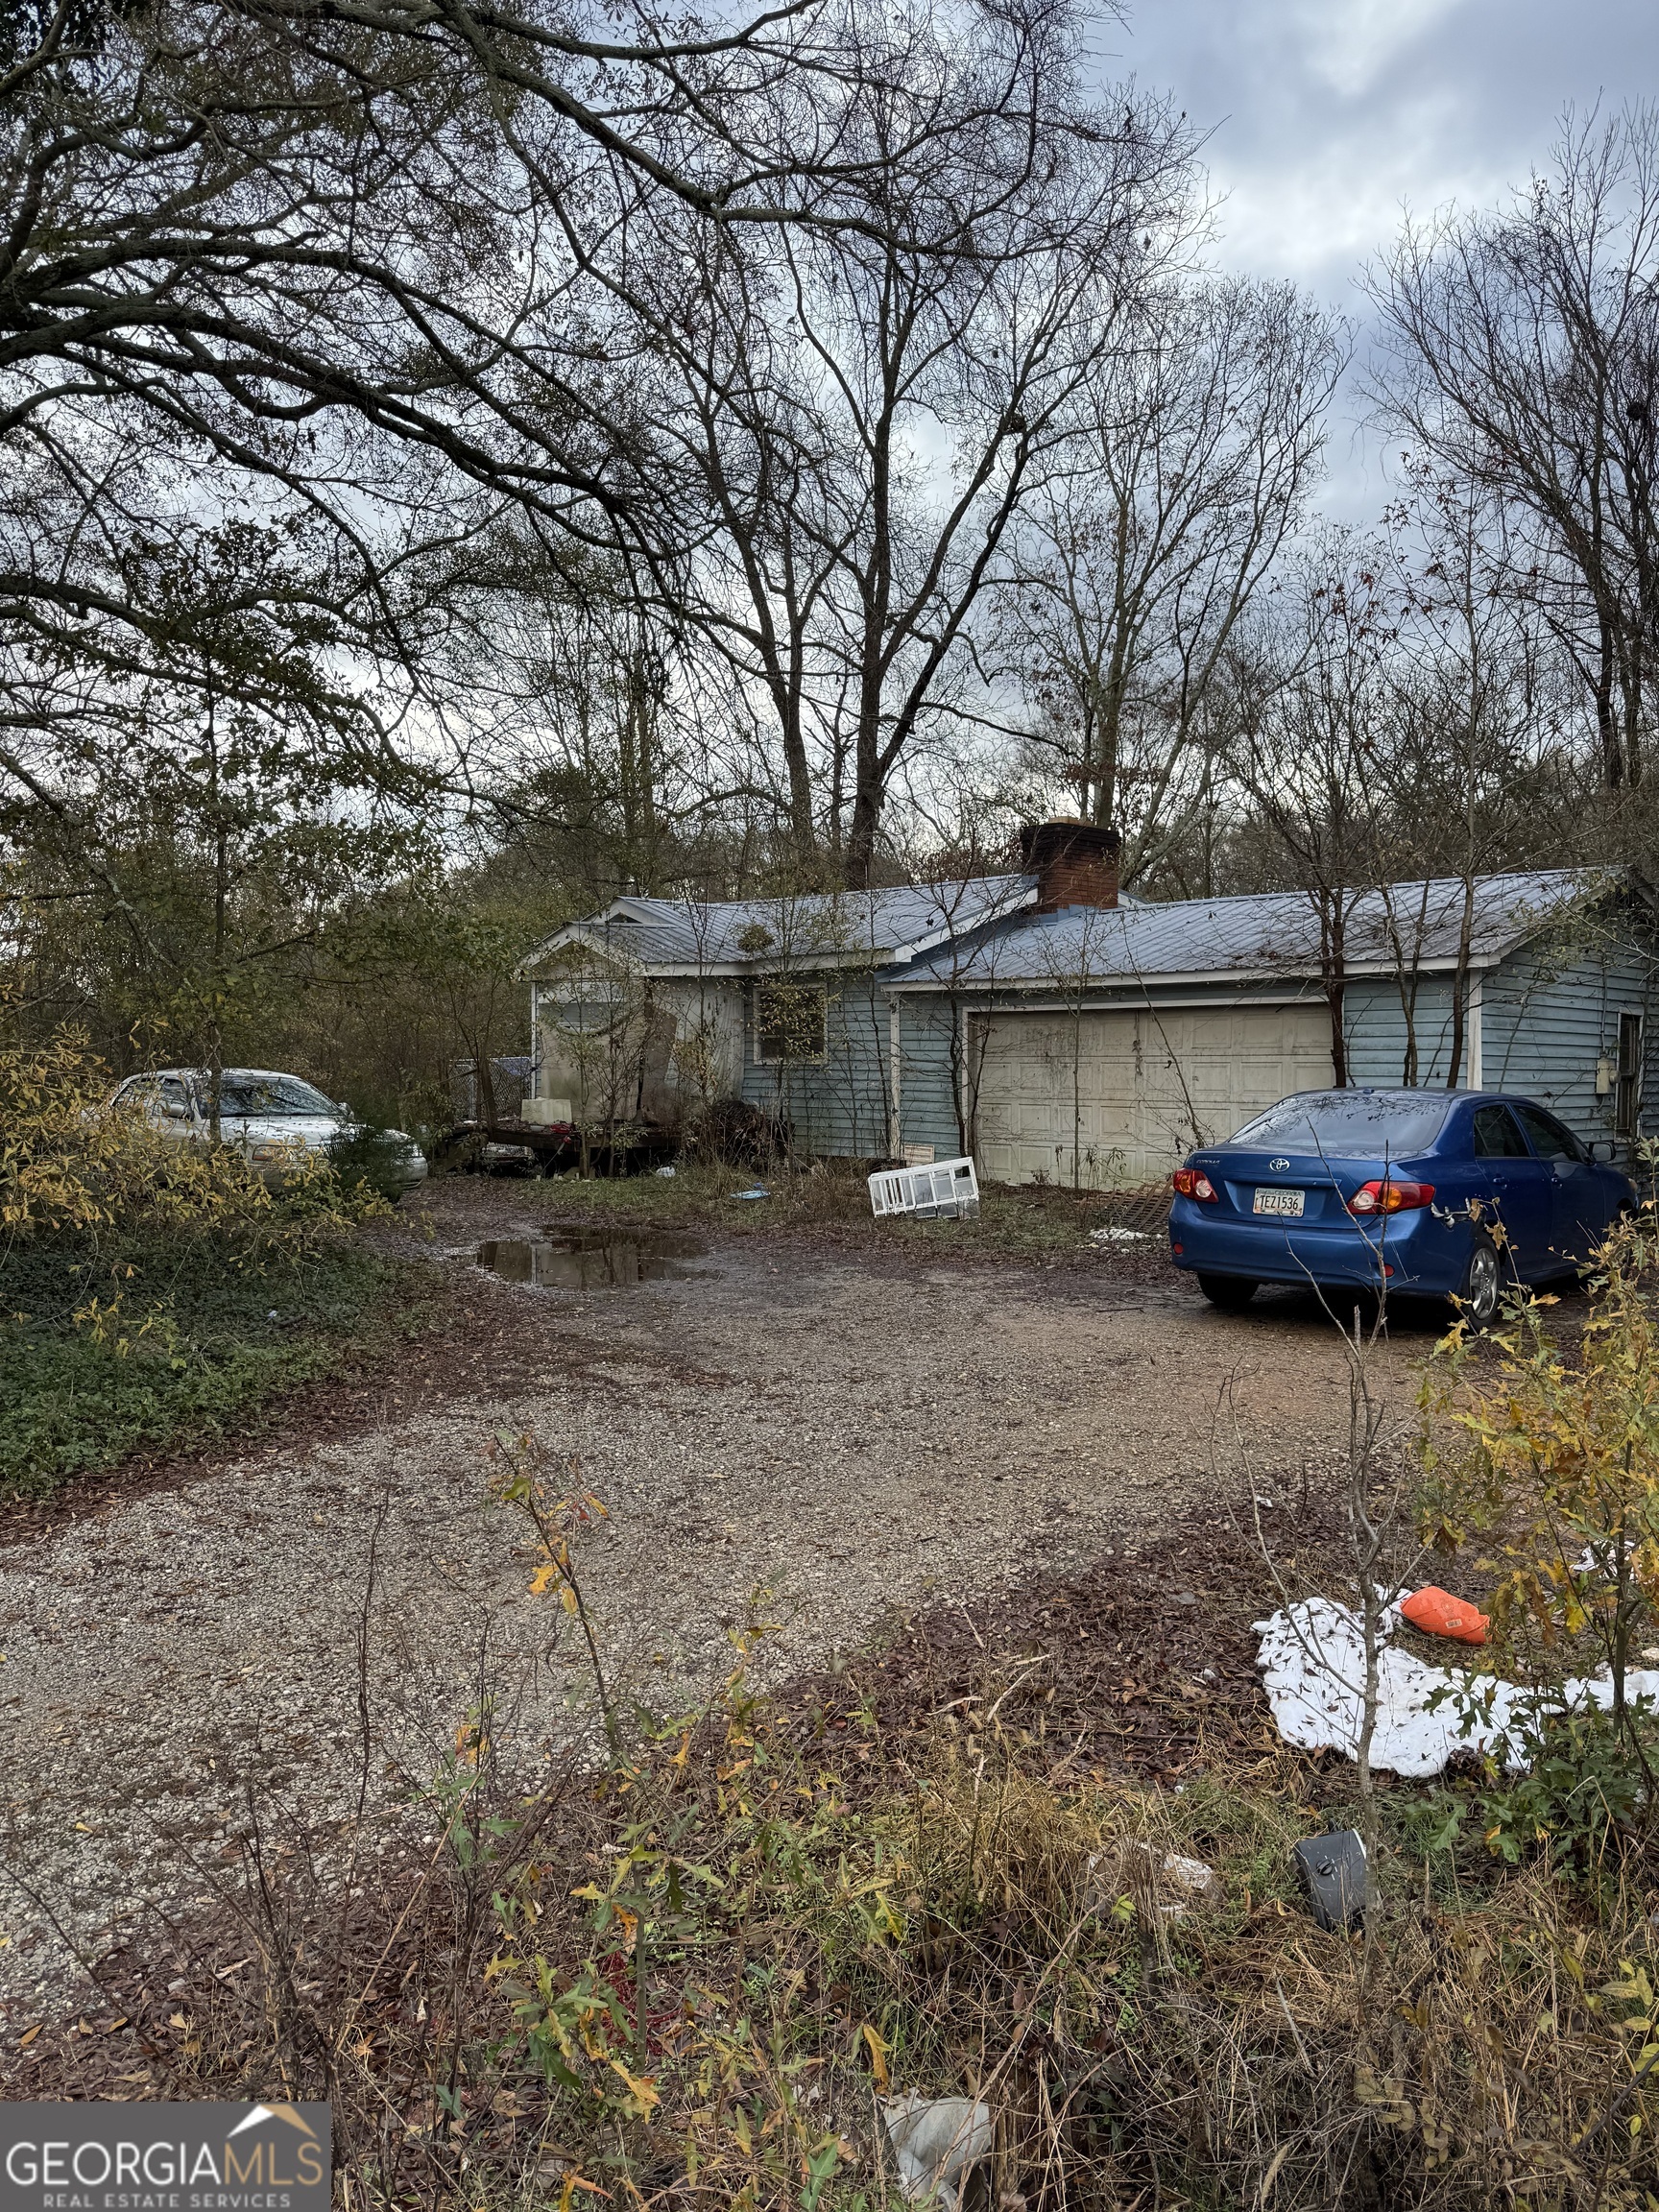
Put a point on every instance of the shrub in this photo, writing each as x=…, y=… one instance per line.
x=373, y=1160
x=77, y=1168
x=1581, y=1786
x=148, y=1288
x=1554, y=1473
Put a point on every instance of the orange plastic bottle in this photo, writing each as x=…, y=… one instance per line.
x=1437, y=1613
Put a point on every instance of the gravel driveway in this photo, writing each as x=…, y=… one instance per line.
x=857, y=1437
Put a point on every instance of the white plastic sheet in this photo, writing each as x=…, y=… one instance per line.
x=1313, y=1662
x=935, y=2140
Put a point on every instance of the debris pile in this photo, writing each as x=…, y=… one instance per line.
x=1313, y=1662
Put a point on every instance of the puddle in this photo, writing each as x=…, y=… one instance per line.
x=590, y=1258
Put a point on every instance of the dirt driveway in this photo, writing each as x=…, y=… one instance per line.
x=856, y=1437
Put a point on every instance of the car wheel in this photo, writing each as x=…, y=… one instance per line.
x=1482, y=1286
x=1231, y=1292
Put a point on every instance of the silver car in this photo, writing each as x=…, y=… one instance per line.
x=275, y=1118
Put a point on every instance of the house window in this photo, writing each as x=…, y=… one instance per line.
x=585, y=1014
x=791, y=1023
x=1628, y=1104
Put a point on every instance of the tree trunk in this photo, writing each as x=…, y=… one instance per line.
x=1461, y=984
x=1606, y=726
x=1336, y=990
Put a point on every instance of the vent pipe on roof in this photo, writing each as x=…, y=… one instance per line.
x=1075, y=863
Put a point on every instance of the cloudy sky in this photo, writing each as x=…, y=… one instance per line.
x=1327, y=115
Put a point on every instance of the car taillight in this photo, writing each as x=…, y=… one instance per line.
x=1390, y=1197
x=1194, y=1183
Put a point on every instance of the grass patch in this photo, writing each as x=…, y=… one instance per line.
x=697, y=1976
x=697, y=1968
x=1032, y=1223
x=155, y=1290
x=164, y=1343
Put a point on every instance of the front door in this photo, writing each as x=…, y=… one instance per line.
x=1628, y=1103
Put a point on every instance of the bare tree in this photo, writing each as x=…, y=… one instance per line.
x=1307, y=697
x=772, y=509
x=1193, y=452
x=1465, y=744
x=866, y=402
x=1522, y=351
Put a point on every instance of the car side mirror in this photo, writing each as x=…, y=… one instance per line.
x=175, y=1112
x=1604, y=1149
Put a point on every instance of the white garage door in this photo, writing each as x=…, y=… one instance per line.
x=1109, y=1099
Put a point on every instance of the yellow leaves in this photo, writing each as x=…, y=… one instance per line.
x=1560, y=1452
x=71, y=1161
x=471, y=1742
x=878, y=2053
x=516, y=1480
x=640, y=2087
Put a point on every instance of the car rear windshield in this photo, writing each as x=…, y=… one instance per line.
x=269, y=1095
x=1349, y=1124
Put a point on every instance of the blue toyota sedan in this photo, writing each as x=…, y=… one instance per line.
x=1427, y=1194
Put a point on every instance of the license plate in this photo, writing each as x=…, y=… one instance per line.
x=1281, y=1201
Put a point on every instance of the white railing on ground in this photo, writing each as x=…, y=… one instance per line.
x=948, y=1190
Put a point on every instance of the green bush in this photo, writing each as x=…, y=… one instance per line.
x=153, y=1348
x=1584, y=1790
x=373, y=1160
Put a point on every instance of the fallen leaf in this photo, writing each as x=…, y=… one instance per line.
x=29, y=2034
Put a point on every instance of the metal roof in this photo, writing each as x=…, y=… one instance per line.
x=684, y=936
x=918, y=931
x=1259, y=935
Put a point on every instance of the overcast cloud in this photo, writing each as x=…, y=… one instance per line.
x=1328, y=116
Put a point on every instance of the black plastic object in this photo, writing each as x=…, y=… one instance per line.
x=1334, y=1869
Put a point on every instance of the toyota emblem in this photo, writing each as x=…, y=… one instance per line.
x=1278, y=1166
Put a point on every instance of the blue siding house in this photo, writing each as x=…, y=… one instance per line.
x=1060, y=1033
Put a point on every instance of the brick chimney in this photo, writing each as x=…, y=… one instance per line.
x=1075, y=863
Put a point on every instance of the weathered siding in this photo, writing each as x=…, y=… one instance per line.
x=839, y=1106
x=1545, y=1017
x=1377, y=1031
x=1551, y=1012
x=927, y=1075
x=705, y=1058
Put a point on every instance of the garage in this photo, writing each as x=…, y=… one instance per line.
x=1107, y=1099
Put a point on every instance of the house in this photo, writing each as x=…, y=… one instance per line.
x=1058, y=1032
